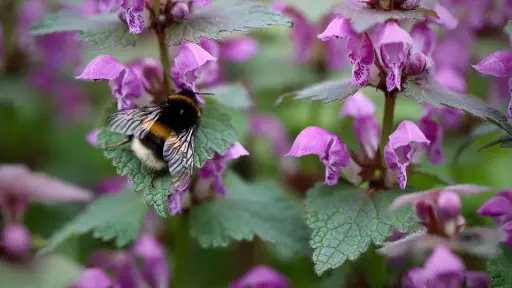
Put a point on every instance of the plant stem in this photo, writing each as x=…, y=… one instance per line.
x=164, y=52
x=179, y=227
x=387, y=122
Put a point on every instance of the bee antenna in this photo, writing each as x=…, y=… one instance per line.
x=204, y=93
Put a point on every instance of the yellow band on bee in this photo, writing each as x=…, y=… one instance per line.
x=158, y=129
x=186, y=99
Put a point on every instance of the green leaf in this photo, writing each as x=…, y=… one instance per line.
x=68, y=21
x=112, y=216
x=233, y=95
x=48, y=271
x=344, y=222
x=225, y=16
x=500, y=268
x=116, y=35
x=480, y=131
x=141, y=175
x=215, y=134
x=363, y=18
x=258, y=209
x=433, y=93
x=328, y=91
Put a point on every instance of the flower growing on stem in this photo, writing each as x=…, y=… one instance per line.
x=328, y=146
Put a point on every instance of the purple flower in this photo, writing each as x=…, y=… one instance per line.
x=239, y=49
x=186, y=69
x=445, y=19
x=133, y=12
x=328, y=146
x=271, y=127
x=434, y=132
x=302, y=35
x=394, y=46
x=180, y=11
x=16, y=240
x=92, y=137
x=175, y=201
x=18, y=186
x=499, y=208
x=423, y=37
x=418, y=64
x=261, y=276
x=155, y=269
x=214, y=168
x=498, y=64
x=202, y=2
x=93, y=278
x=444, y=269
x=366, y=126
x=439, y=209
x=455, y=42
x=402, y=148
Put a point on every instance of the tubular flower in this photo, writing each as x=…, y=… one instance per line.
x=403, y=147
x=328, y=146
x=393, y=48
x=499, y=208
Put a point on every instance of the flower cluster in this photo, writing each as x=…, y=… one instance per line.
x=18, y=187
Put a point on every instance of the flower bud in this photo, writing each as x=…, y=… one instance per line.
x=180, y=11
x=16, y=239
x=424, y=210
x=418, y=64
x=449, y=205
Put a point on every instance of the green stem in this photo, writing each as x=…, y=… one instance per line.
x=156, y=7
x=387, y=122
x=179, y=226
x=8, y=23
x=164, y=52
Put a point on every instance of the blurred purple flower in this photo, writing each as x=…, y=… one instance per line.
x=302, y=35
x=366, y=126
x=16, y=239
x=261, y=276
x=202, y=2
x=444, y=269
x=328, y=146
x=455, y=42
x=175, y=201
x=271, y=127
x=439, y=209
x=499, y=208
x=92, y=137
x=393, y=48
x=155, y=269
x=180, y=11
x=18, y=186
x=445, y=18
x=424, y=38
x=434, y=132
x=214, y=168
x=238, y=49
x=93, y=278
x=402, y=149
x=29, y=13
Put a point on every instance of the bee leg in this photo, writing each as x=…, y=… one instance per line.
x=125, y=141
x=155, y=174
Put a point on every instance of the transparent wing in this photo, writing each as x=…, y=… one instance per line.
x=179, y=155
x=134, y=121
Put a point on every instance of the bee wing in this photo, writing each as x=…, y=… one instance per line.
x=179, y=155
x=134, y=121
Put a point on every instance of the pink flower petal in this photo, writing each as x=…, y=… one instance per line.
x=338, y=28
x=451, y=79
x=302, y=35
x=235, y=151
x=92, y=137
x=358, y=105
x=328, y=146
x=424, y=38
x=445, y=19
x=393, y=33
x=442, y=262
x=133, y=10
x=190, y=58
x=103, y=67
x=434, y=132
x=496, y=206
x=239, y=49
x=271, y=127
x=361, y=56
x=202, y=2
x=93, y=278
x=406, y=133
x=498, y=64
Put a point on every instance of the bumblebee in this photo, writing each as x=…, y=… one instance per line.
x=162, y=136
